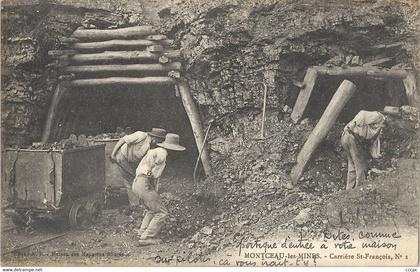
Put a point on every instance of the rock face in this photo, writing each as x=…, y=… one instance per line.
x=228, y=48
x=28, y=33
x=30, y=30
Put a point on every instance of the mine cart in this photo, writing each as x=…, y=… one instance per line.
x=54, y=184
x=115, y=191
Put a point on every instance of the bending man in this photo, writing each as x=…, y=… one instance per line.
x=129, y=151
x=360, y=137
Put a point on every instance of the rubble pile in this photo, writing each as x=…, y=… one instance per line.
x=253, y=199
x=388, y=198
x=119, y=132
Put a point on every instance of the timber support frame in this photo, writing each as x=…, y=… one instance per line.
x=135, y=56
x=312, y=74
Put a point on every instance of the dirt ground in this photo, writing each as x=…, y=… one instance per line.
x=247, y=199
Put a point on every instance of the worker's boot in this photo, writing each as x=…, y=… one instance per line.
x=145, y=223
x=150, y=241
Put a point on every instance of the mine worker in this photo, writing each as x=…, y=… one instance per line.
x=361, y=137
x=129, y=151
x=145, y=187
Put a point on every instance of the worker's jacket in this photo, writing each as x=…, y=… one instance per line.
x=366, y=127
x=136, y=146
x=153, y=163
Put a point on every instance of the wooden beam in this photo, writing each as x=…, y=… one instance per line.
x=381, y=48
x=387, y=46
x=172, y=54
x=304, y=94
x=120, y=56
x=52, y=112
x=362, y=71
x=118, y=44
x=327, y=120
x=109, y=56
x=163, y=59
x=108, y=34
x=157, y=37
x=378, y=62
x=160, y=81
x=125, y=68
x=411, y=90
x=66, y=40
x=57, y=53
x=197, y=128
x=155, y=48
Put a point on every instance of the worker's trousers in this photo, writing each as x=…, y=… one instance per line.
x=357, y=160
x=128, y=172
x=155, y=210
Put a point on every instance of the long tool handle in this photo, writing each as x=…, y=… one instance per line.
x=263, y=113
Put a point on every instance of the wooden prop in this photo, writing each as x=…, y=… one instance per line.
x=52, y=112
x=411, y=90
x=194, y=117
x=328, y=118
x=304, y=94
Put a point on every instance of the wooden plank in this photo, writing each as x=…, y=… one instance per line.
x=109, y=34
x=304, y=94
x=411, y=90
x=52, y=112
x=327, y=120
x=197, y=128
x=124, y=68
x=160, y=81
x=118, y=44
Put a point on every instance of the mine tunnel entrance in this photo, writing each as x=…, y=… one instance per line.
x=101, y=109
x=124, y=77
x=371, y=94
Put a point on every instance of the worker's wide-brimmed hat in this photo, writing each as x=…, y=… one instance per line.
x=172, y=142
x=157, y=132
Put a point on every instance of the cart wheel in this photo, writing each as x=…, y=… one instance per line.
x=93, y=209
x=77, y=215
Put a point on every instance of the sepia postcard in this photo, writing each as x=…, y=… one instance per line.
x=225, y=133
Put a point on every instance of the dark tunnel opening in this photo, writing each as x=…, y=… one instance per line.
x=371, y=95
x=97, y=110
